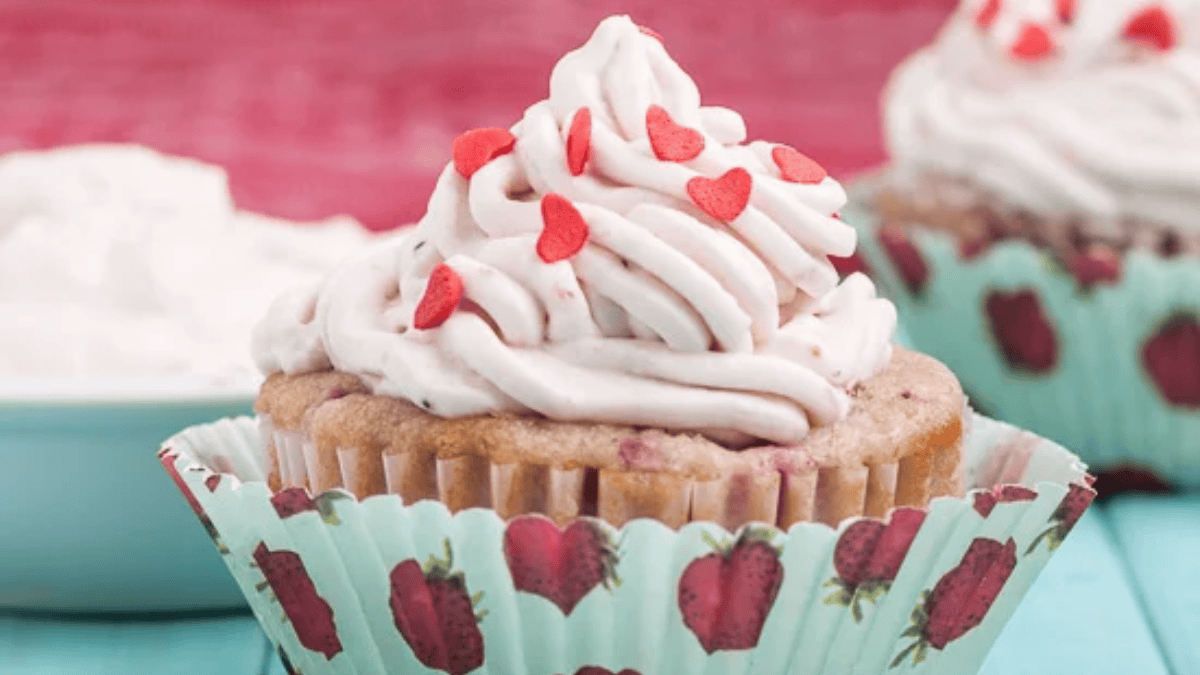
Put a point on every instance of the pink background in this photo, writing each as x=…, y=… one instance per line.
x=318, y=107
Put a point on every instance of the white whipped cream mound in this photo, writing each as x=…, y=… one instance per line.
x=116, y=261
x=666, y=317
x=1100, y=125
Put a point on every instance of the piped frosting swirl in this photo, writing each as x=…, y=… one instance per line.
x=620, y=255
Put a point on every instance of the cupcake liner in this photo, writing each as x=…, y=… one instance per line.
x=1099, y=396
x=377, y=586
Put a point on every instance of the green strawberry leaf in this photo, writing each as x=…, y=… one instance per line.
x=903, y=654
x=324, y=503
x=709, y=539
x=1037, y=540
x=921, y=649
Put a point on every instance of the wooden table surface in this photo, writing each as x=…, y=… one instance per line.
x=1119, y=597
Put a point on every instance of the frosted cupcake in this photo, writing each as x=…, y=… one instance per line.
x=607, y=409
x=1036, y=225
x=617, y=308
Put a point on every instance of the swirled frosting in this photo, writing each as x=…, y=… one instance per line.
x=1064, y=108
x=692, y=292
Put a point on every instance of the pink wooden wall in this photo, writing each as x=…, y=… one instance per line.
x=324, y=106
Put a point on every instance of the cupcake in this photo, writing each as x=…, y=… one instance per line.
x=618, y=308
x=607, y=409
x=1036, y=223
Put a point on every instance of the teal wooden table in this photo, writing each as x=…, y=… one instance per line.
x=1120, y=597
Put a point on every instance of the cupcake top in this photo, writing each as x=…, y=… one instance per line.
x=119, y=262
x=619, y=255
x=1068, y=108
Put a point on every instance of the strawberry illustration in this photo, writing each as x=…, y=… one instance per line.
x=1095, y=265
x=598, y=670
x=905, y=257
x=725, y=596
x=868, y=556
x=435, y=614
x=1001, y=494
x=960, y=599
x=1172, y=359
x=310, y=615
x=849, y=265
x=1069, y=510
x=290, y=501
x=562, y=566
x=1025, y=337
x=168, y=461
x=1128, y=478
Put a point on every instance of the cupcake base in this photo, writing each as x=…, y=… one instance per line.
x=900, y=445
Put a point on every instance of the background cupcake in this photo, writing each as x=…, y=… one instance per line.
x=1037, y=223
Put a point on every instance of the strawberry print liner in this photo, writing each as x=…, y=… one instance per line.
x=376, y=586
x=1110, y=369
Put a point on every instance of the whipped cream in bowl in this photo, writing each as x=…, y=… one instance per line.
x=129, y=284
x=620, y=255
x=130, y=275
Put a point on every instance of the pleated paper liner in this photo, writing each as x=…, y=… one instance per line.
x=1094, y=390
x=755, y=487
x=377, y=586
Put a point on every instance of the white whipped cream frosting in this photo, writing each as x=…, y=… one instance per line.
x=1103, y=127
x=665, y=318
x=116, y=261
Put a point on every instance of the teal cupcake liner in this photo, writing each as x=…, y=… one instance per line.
x=377, y=586
x=1096, y=392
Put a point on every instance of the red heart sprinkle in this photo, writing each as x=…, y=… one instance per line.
x=1152, y=27
x=478, y=147
x=670, y=141
x=579, y=141
x=651, y=32
x=1033, y=44
x=723, y=198
x=1066, y=10
x=564, y=230
x=442, y=296
x=796, y=167
x=987, y=14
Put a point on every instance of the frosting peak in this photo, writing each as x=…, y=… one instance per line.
x=619, y=255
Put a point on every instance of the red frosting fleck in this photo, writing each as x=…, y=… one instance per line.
x=651, y=32
x=564, y=231
x=722, y=198
x=478, y=147
x=671, y=142
x=579, y=141
x=1152, y=27
x=1066, y=10
x=441, y=298
x=1033, y=44
x=796, y=167
x=987, y=14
